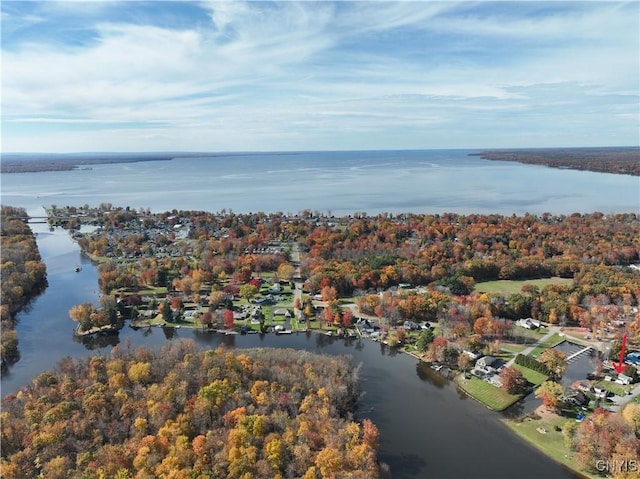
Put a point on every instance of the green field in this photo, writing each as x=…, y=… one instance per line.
x=551, y=442
x=534, y=377
x=615, y=388
x=491, y=396
x=507, y=286
x=548, y=344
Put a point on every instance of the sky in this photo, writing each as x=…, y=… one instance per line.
x=85, y=76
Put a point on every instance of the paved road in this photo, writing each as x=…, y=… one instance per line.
x=295, y=260
x=619, y=402
x=527, y=351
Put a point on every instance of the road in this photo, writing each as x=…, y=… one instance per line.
x=295, y=260
x=527, y=351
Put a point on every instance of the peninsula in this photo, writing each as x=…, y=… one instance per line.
x=617, y=160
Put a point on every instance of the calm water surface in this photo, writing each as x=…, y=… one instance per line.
x=432, y=181
x=428, y=429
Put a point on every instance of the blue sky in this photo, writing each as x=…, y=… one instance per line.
x=241, y=76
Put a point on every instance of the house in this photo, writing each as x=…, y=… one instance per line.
x=473, y=356
x=624, y=379
x=584, y=386
x=576, y=398
x=633, y=358
x=486, y=362
x=240, y=315
x=281, y=312
x=410, y=325
x=528, y=323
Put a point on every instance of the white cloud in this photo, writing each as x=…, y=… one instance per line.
x=284, y=75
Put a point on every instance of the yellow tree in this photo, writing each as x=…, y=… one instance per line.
x=286, y=271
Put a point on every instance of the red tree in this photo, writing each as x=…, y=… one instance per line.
x=512, y=380
x=176, y=302
x=347, y=319
x=228, y=319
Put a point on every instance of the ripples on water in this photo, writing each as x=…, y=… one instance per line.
x=432, y=181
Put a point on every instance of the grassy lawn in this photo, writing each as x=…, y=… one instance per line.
x=617, y=389
x=507, y=286
x=488, y=394
x=514, y=349
x=160, y=291
x=534, y=377
x=533, y=334
x=348, y=299
x=551, y=443
x=549, y=343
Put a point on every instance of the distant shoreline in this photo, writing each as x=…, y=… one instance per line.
x=615, y=160
x=25, y=163
x=42, y=162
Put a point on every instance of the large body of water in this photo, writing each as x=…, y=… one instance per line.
x=427, y=428
x=432, y=181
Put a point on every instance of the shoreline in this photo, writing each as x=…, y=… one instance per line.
x=512, y=425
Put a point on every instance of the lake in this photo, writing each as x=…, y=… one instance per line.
x=431, y=181
x=427, y=428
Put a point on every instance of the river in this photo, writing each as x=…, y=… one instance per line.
x=427, y=428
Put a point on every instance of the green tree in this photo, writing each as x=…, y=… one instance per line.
x=425, y=338
x=248, y=291
x=555, y=361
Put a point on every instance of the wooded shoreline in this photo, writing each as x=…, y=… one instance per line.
x=621, y=161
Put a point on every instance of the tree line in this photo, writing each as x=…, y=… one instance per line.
x=23, y=275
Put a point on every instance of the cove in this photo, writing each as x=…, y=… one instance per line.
x=427, y=428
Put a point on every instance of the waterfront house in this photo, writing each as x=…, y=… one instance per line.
x=486, y=362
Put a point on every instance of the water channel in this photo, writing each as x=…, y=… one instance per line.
x=428, y=429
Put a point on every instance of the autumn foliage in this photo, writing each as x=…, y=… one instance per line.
x=608, y=438
x=181, y=413
x=23, y=274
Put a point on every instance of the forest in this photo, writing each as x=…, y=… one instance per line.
x=23, y=275
x=184, y=413
x=623, y=161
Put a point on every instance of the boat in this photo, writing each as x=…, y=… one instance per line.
x=77, y=269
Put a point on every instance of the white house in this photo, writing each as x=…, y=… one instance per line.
x=528, y=323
